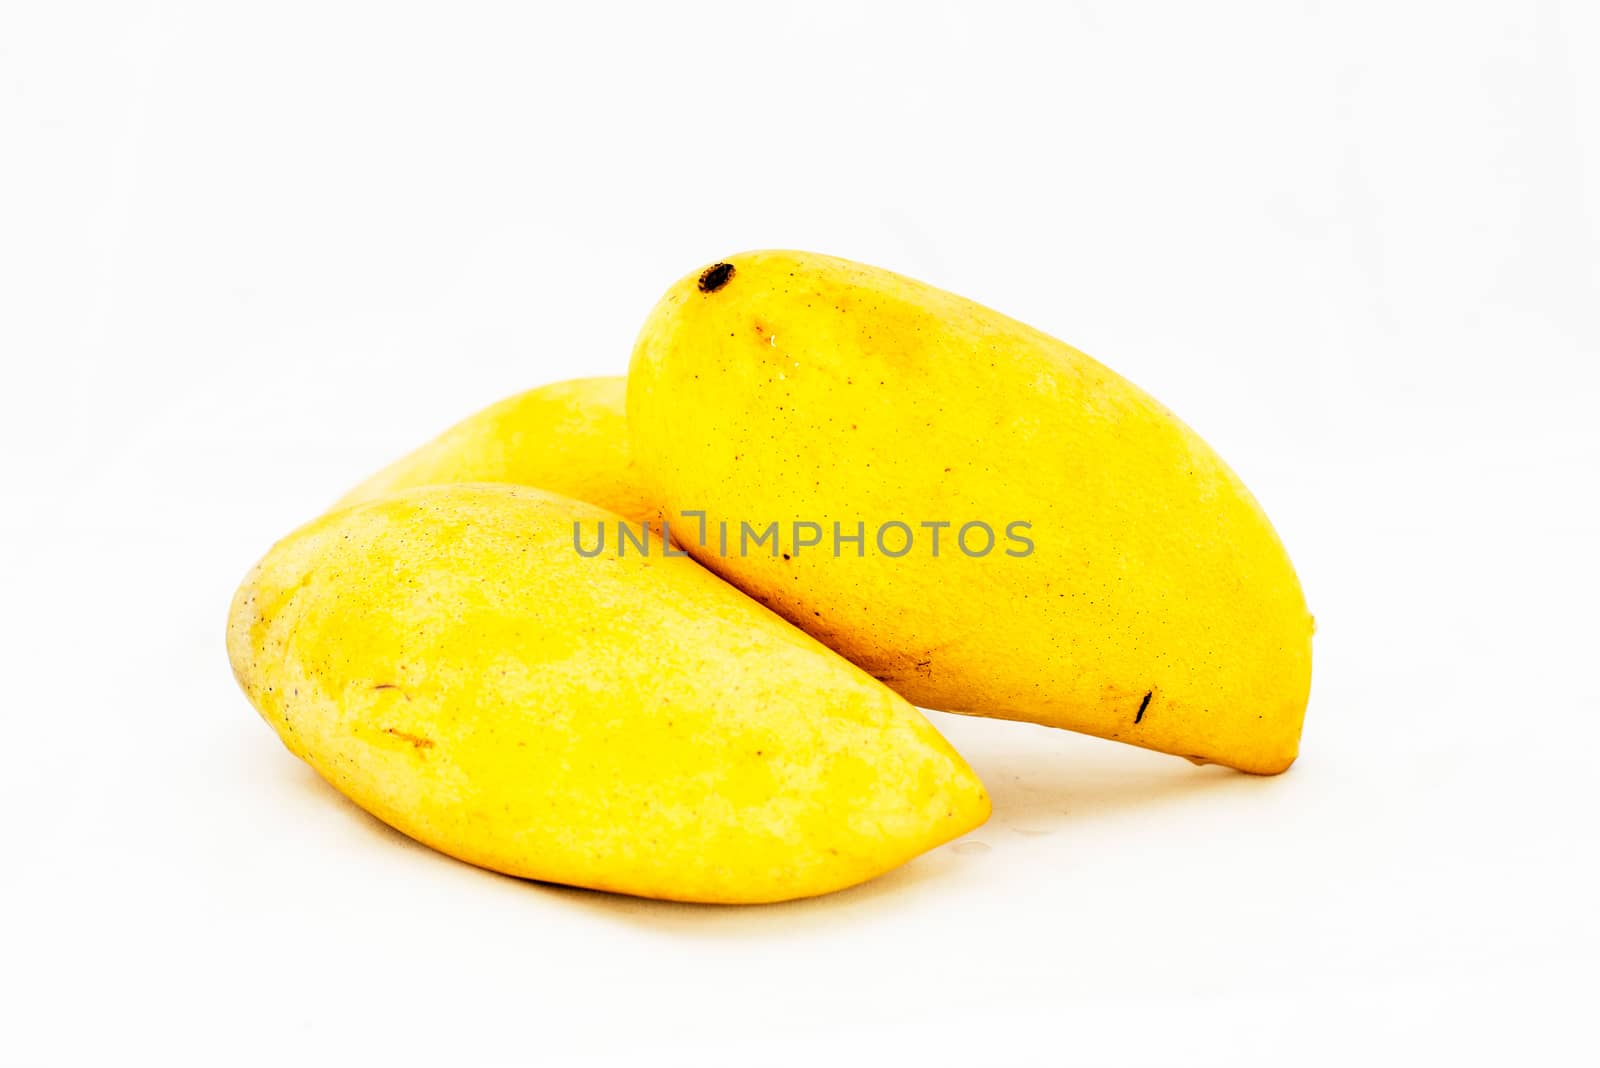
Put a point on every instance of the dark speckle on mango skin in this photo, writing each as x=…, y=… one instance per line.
x=1143, y=707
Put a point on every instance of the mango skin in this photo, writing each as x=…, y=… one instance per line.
x=445, y=659
x=567, y=437
x=1158, y=606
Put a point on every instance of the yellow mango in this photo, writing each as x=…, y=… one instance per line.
x=447, y=660
x=567, y=437
x=1132, y=589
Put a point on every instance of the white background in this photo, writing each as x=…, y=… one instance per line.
x=248, y=253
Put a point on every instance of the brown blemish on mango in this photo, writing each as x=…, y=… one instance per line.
x=416, y=740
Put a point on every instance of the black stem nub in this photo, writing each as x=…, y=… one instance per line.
x=715, y=277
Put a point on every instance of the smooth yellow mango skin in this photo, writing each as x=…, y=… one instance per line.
x=445, y=659
x=567, y=437
x=804, y=387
